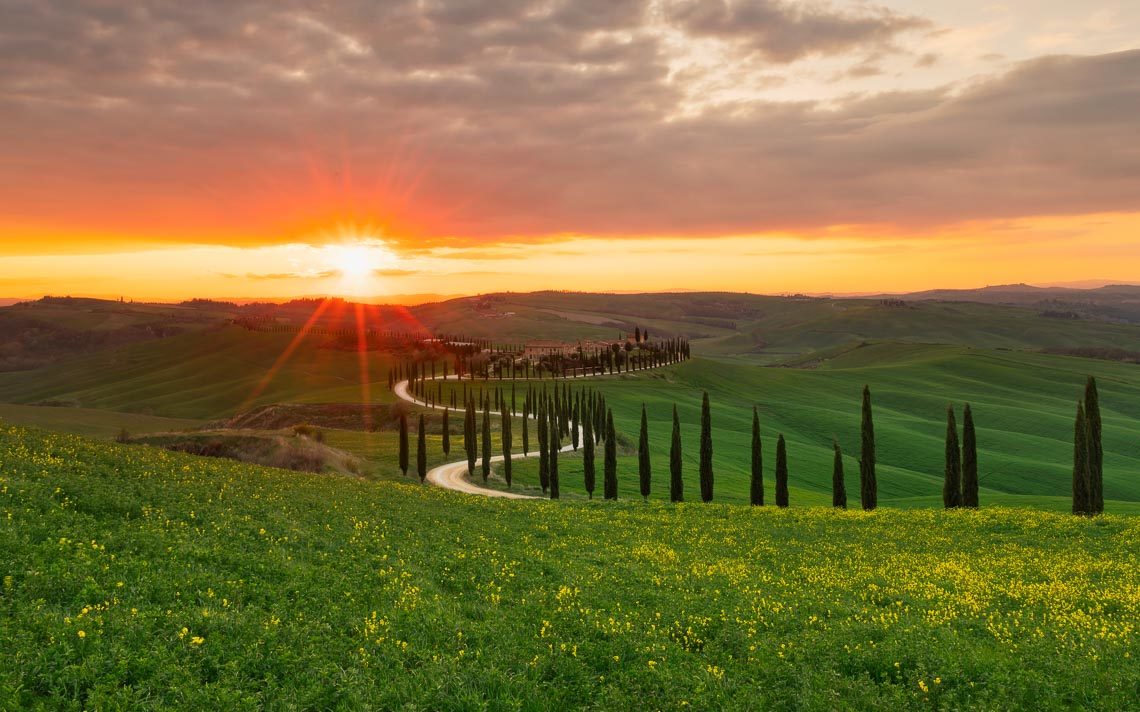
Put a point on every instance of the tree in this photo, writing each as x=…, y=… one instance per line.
x=555, y=447
x=543, y=455
x=469, y=443
x=508, y=445
x=781, y=472
x=952, y=481
x=706, y=451
x=575, y=424
x=588, y=473
x=757, y=491
x=446, y=434
x=1096, y=448
x=526, y=430
x=838, y=486
x=1081, y=501
x=404, y=443
x=969, y=460
x=486, y=438
x=644, y=471
x=868, y=486
x=421, y=450
x=609, y=484
x=676, y=484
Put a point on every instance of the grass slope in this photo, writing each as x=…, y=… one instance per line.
x=1023, y=407
x=134, y=577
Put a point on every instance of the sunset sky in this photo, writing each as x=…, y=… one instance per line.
x=270, y=149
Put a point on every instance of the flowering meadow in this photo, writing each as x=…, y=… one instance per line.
x=134, y=577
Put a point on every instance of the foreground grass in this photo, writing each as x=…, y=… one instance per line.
x=138, y=577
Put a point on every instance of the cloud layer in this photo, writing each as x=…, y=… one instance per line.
x=479, y=120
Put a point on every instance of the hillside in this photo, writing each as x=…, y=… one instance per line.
x=133, y=576
x=1022, y=400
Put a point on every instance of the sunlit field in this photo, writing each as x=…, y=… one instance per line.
x=134, y=577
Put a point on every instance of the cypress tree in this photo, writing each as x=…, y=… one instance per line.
x=507, y=444
x=838, y=486
x=588, y=473
x=555, y=446
x=526, y=431
x=706, y=451
x=486, y=438
x=421, y=450
x=952, y=481
x=644, y=471
x=469, y=442
x=868, y=486
x=610, y=479
x=757, y=491
x=543, y=455
x=1081, y=503
x=575, y=424
x=781, y=472
x=446, y=434
x=969, y=460
x=676, y=484
x=1096, y=448
x=404, y=443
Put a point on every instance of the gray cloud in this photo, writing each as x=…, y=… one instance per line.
x=519, y=119
x=784, y=31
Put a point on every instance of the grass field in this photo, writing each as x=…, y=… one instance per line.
x=85, y=421
x=1023, y=405
x=134, y=577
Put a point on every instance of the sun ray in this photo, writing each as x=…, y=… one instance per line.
x=285, y=355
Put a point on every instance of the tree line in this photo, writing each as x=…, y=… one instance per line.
x=583, y=419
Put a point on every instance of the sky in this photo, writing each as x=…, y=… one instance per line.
x=273, y=149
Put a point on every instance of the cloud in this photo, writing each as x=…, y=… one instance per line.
x=391, y=272
x=468, y=123
x=326, y=274
x=785, y=32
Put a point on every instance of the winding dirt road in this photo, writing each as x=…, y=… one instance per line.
x=453, y=475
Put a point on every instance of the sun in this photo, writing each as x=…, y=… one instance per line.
x=354, y=262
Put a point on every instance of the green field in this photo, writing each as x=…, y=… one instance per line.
x=134, y=577
x=1023, y=406
x=916, y=359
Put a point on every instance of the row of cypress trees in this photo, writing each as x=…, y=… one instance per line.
x=560, y=413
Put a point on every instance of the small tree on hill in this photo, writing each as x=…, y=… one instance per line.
x=555, y=447
x=403, y=443
x=469, y=439
x=421, y=450
x=644, y=471
x=446, y=434
x=868, y=486
x=676, y=483
x=508, y=444
x=486, y=438
x=952, y=481
x=706, y=451
x=781, y=472
x=969, y=460
x=1081, y=504
x=838, y=486
x=543, y=454
x=609, y=484
x=1096, y=448
x=588, y=473
x=756, y=492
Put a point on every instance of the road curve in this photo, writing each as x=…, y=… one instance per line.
x=453, y=475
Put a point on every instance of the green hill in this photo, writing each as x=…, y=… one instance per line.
x=133, y=577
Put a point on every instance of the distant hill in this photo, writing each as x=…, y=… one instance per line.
x=1119, y=302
